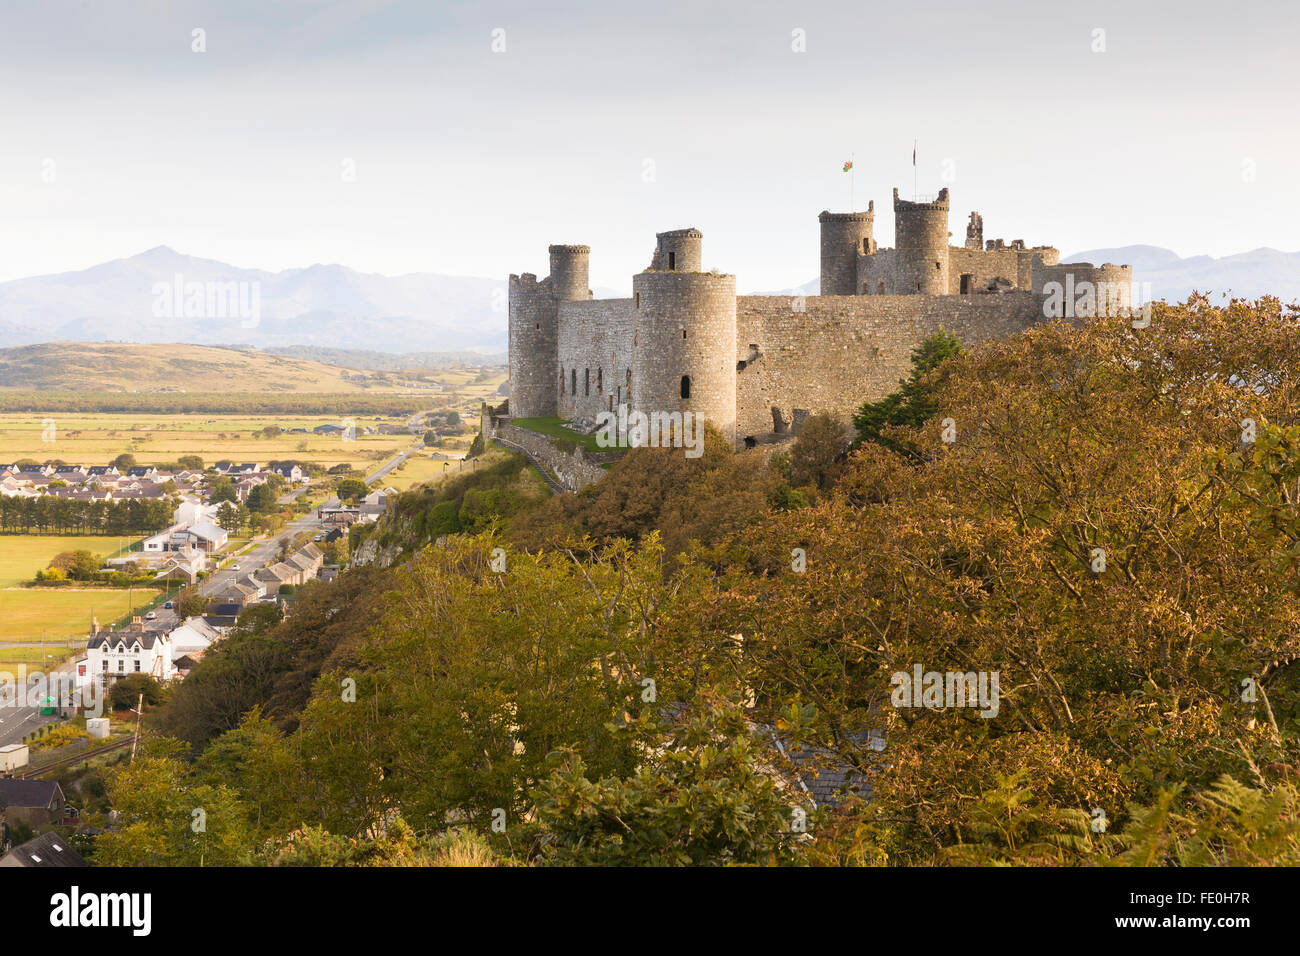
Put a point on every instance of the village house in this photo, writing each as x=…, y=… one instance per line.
x=114, y=654
x=34, y=802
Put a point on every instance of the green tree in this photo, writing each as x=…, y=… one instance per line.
x=124, y=461
x=262, y=500
x=351, y=489
x=705, y=796
x=913, y=403
x=818, y=448
x=126, y=691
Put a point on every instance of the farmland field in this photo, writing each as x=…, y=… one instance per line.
x=416, y=470
x=98, y=438
x=63, y=613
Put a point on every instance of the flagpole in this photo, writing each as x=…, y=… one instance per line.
x=853, y=171
x=914, y=170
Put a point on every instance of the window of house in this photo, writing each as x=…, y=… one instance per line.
x=137, y=666
x=106, y=664
x=686, y=386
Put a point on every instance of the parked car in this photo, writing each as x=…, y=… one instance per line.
x=169, y=605
x=234, y=567
x=150, y=616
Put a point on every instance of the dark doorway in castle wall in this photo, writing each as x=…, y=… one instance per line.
x=686, y=386
x=672, y=262
x=966, y=283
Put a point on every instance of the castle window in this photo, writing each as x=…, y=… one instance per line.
x=938, y=265
x=537, y=326
x=683, y=333
x=600, y=381
x=880, y=287
x=636, y=300
x=628, y=396
x=672, y=262
x=866, y=247
x=686, y=386
x=573, y=381
x=586, y=381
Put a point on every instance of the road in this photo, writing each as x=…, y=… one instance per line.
x=265, y=553
x=395, y=462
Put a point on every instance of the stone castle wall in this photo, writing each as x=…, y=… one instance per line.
x=844, y=350
x=595, y=356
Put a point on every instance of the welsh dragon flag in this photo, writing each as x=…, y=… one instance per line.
x=848, y=165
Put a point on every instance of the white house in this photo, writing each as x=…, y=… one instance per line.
x=207, y=536
x=194, y=512
x=192, y=638
x=114, y=654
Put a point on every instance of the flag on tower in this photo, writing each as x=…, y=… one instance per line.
x=913, y=152
x=848, y=165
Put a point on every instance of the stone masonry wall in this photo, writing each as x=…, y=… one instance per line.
x=595, y=355
x=573, y=471
x=844, y=350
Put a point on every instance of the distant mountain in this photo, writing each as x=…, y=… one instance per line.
x=389, y=361
x=1246, y=275
x=135, y=300
x=120, y=367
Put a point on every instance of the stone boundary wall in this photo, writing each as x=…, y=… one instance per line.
x=572, y=472
x=845, y=350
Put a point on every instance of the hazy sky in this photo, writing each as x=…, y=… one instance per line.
x=1183, y=133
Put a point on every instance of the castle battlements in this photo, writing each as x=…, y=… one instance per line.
x=755, y=366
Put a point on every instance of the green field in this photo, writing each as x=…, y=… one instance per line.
x=26, y=613
x=418, y=469
x=96, y=439
x=555, y=428
x=22, y=555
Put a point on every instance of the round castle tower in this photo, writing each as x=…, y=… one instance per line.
x=921, y=241
x=534, y=330
x=845, y=237
x=569, y=266
x=681, y=250
x=684, y=351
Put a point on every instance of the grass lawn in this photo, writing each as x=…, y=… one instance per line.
x=61, y=613
x=22, y=555
x=555, y=428
x=416, y=470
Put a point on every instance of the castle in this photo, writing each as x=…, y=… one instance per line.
x=756, y=366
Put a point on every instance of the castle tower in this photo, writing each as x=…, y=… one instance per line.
x=921, y=241
x=975, y=232
x=845, y=237
x=534, y=356
x=681, y=250
x=534, y=330
x=569, y=272
x=684, y=344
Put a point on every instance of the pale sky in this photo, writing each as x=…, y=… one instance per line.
x=1183, y=133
